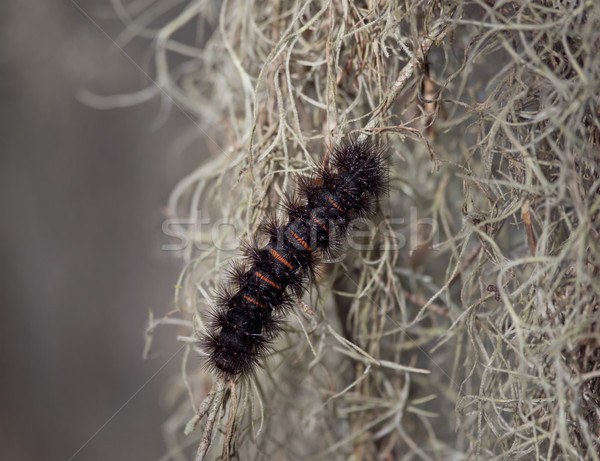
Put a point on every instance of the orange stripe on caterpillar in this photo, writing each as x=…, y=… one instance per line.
x=302, y=242
x=267, y=279
x=335, y=204
x=280, y=258
x=323, y=226
x=254, y=301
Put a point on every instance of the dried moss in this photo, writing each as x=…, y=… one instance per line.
x=475, y=304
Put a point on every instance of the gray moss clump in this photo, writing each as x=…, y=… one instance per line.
x=466, y=323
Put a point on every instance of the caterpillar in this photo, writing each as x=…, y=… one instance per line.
x=250, y=307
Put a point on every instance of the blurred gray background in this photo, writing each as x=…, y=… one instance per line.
x=81, y=192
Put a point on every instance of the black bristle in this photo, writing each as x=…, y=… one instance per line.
x=293, y=206
x=238, y=274
x=248, y=309
x=271, y=228
x=308, y=189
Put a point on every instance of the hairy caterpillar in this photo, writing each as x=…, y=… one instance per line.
x=249, y=310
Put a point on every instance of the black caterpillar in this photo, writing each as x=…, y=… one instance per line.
x=250, y=308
